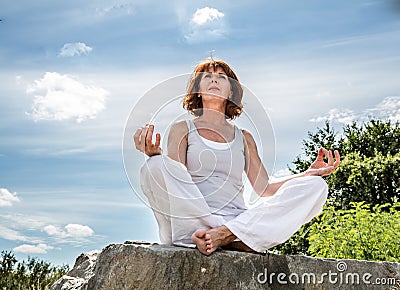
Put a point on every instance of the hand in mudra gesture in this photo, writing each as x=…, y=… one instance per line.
x=143, y=139
x=320, y=167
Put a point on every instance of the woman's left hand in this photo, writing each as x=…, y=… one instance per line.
x=319, y=167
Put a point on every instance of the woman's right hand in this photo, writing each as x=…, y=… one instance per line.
x=144, y=141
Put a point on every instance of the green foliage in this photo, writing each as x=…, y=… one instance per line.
x=374, y=180
x=357, y=233
x=370, y=161
x=31, y=274
x=369, y=171
x=7, y=263
x=371, y=137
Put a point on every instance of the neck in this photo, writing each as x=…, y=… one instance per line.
x=213, y=116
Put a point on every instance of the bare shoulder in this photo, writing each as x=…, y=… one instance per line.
x=248, y=138
x=177, y=141
x=178, y=132
x=179, y=128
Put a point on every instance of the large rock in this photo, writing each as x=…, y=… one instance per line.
x=135, y=265
x=77, y=278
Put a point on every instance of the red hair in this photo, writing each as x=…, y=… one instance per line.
x=193, y=101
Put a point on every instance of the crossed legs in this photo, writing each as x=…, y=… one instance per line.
x=188, y=221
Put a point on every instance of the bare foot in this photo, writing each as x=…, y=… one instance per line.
x=203, y=242
x=208, y=241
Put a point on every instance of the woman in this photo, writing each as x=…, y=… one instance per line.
x=196, y=190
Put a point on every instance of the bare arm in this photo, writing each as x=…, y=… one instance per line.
x=258, y=176
x=255, y=170
x=177, y=142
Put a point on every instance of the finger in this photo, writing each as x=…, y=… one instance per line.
x=149, y=136
x=337, y=157
x=143, y=139
x=321, y=153
x=136, y=138
x=330, y=158
x=158, y=140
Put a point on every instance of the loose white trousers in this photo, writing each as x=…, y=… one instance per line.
x=180, y=209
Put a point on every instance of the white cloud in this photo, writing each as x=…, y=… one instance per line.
x=18, y=227
x=71, y=230
x=7, y=198
x=76, y=230
x=61, y=97
x=206, y=15
x=11, y=235
x=205, y=25
x=25, y=221
x=118, y=9
x=72, y=49
x=344, y=116
x=52, y=230
x=33, y=249
x=389, y=109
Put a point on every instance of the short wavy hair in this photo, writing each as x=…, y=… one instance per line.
x=194, y=103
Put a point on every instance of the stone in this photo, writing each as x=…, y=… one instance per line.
x=77, y=278
x=139, y=265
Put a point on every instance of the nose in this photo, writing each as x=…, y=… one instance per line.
x=214, y=78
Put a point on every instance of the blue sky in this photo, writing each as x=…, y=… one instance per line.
x=71, y=72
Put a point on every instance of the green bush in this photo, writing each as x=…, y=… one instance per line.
x=374, y=180
x=369, y=172
x=33, y=274
x=370, y=168
x=357, y=233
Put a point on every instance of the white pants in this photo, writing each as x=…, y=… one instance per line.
x=180, y=209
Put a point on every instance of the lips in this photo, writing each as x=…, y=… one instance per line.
x=214, y=89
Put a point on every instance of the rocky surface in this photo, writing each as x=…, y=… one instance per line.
x=135, y=265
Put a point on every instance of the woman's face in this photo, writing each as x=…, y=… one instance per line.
x=215, y=83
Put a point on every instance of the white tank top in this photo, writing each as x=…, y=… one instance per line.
x=217, y=170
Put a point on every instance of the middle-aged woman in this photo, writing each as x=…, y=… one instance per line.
x=196, y=189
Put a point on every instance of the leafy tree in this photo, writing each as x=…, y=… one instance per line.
x=371, y=137
x=370, y=161
x=357, y=233
x=374, y=180
x=369, y=172
x=7, y=263
x=31, y=274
